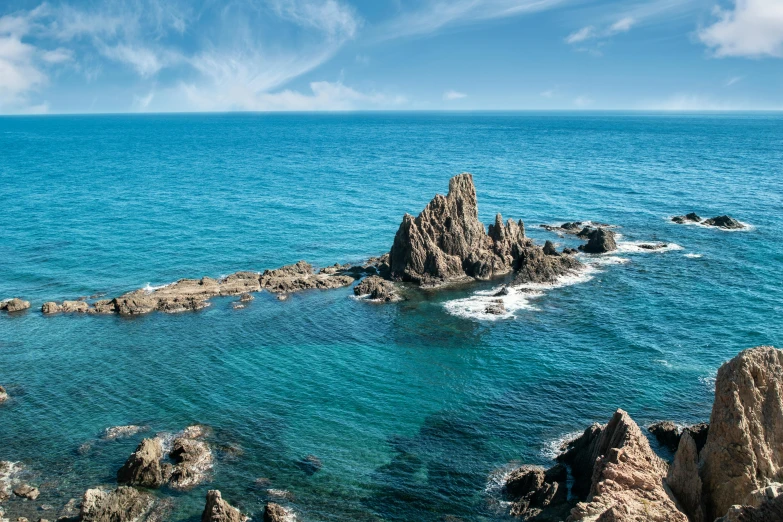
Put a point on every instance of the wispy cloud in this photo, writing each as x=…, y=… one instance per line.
x=590, y=32
x=453, y=95
x=734, y=79
x=583, y=101
x=754, y=28
x=585, y=33
x=432, y=15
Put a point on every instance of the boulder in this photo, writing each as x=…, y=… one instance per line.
x=74, y=307
x=691, y=217
x=377, y=289
x=744, y=449
x=275, y=513
x=27, y=491
x=726, y=222
x=599, y=241
x=104, y=306
x=14, y=305
x=143, y=468
x=218, y=510
x=3, y=395
x=667, y=433
x=192, y=458
x=50, y=307
x=300, y=276
x=627, y=478
x=124, y=504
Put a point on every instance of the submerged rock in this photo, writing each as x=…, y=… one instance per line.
x=310, y=464
x=744, y=449
x=446, y=242
x=691, y=217
x=599, y=241
x=627, y=478
x=377, y=289
x=14, y=305
x=218, y=510
x=727, y=222
x=143, y=468
x=27, y=491
x=124, y=504
x=120, y=432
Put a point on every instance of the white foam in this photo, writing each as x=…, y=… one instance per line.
x=634, y=247
x=554, y=447
x=692, y=256
x=148, y=288
x=519, y=297
x=664, y=362
x=746, y=227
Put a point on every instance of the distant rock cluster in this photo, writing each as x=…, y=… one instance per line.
x=725, y=222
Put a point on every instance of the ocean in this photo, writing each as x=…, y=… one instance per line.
x=415, y=408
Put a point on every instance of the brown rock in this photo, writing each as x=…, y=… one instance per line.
x=300, y=276
x=627, y=480
x=124, y=504
x=275, y=513
x=683, y=478
x=599, y=241
x=50, y=307
x=143, y=467
x=377, y=289
x=74, y=307
x=768, y=511
x=744, y=449
x=218, y=510
x=193, y=458
x=104, y=306
x=14, y=305
x=3, y=395
x=27, y=491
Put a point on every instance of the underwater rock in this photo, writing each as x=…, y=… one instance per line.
x=744, y=449
x=218, y=510
x=377, y=289
x=120, y=432
x=14, y=305
x=310, y=464
x=599, y=241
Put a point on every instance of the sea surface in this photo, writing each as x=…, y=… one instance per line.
x=414, y=408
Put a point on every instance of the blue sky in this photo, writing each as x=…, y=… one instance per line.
x=82, y=56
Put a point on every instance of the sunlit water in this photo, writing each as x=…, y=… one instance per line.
x=412, y=406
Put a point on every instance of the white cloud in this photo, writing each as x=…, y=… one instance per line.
x=433, y=15
x=453, y=95
x=144, y=61
x=18, y=72
x=583, y=101
x=585, y=33
x=754, y=28
x=331, y=17
x=59, y=55
x=622, y=25
x=330, y=96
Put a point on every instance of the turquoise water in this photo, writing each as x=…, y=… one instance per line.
x=410, y=408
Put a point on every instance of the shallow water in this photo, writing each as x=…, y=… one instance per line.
x=410, y=406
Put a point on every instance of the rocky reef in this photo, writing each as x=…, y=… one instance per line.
x=724, y=221
x=446, y=243
x=599, y=241
x=375, y=288
x=730, y=469
x=14, y=305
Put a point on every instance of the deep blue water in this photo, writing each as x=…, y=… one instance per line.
x=409, y=407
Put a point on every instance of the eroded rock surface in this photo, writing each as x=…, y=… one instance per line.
x=14, y=305
x=727, y=222
x=683, y=478
x=124, y=504
x=599, y=241
x=538, y=494
x=744, y=449
x=769, y=511
x=275, y=513
x=143, y=468
x=446, y=242
x=627, y=479
x=3, y=395
x=300, y=276
x=218, y=510
x=377, y=289
x=691, y=217
x=193, y=458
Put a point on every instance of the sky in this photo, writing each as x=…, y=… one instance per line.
x=83, y=56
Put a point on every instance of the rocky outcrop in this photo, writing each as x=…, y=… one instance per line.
x=627, y=478
x=692, y=217
x=769, y=511
x=726, y=222
x=124, y=504
x=3, y=395
x=275, y=513
x=50, y=307
x=573, y=227
x=446, y=242
x=192, y=460
x=27, y=491
x=218, y=510
x=667, y=433
x=300, y=276
x=143, y=468
x=744, y=449
x=534, y=491
x=534, y=266
x=495, y=307
x=375, y=288
x=683, y=478
x=599, y=241
x=14, y=305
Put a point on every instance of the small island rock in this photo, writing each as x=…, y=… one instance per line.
x=599, y=241
x=218, y=510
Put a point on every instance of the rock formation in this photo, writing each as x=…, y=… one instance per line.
x=627, y=477
x=27, y=491
x=770, y=511
x=744, y=449
x=218, y=510
x=143, y=468
x=275, y=513
x=14, y=305
x=192, y=459
x=376, y=289
x=124, y=504
x=667, y=433
x=692, y=217
x=683, y=478
x=599, y=241
x=447, y=242
x=727, y=222
x=3, y=395
x=535, y=491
